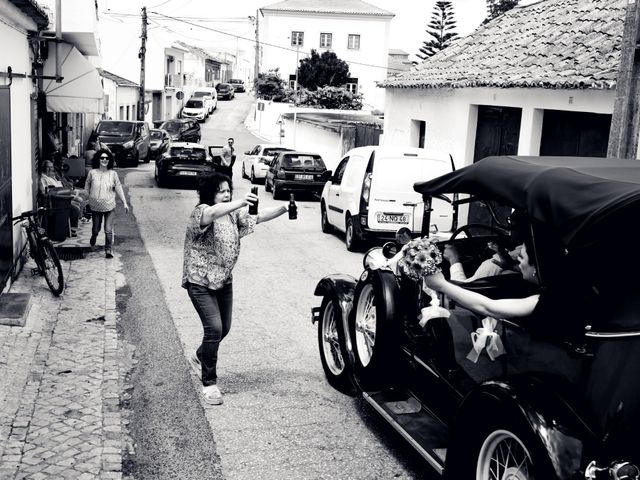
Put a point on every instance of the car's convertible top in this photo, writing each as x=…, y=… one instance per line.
x=571, y=195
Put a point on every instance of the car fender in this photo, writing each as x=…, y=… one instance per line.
x=340, y=288
x=562, y=434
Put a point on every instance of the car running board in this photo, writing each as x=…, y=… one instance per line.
x=426, y=433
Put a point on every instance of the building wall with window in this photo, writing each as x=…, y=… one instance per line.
x=119, y=99
x=361, y=41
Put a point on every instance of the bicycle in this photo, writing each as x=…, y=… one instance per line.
x=41, y=250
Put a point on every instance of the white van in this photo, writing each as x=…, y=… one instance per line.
x=370, y=195
x=209, y=95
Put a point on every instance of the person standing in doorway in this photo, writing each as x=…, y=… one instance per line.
x=211, y=249
x=103, y=184
x=228, y=158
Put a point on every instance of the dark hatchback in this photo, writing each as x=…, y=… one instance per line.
x=238, y=85
x=183, y=161
x=183, y=129
x=296, y=172
x=225, y=91
x=554, y=395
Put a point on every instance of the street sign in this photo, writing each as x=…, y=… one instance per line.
x=179, y=95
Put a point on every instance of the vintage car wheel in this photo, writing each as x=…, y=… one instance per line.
x=244, y=173
x=331, y=344
x=351, y=238
x=324, y=219
x=504, y=455
x=372, y=332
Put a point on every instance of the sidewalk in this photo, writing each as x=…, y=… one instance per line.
x=60, y=376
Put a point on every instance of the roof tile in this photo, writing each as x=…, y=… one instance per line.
x=549, y=44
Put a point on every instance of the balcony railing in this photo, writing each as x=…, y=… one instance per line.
x=173, y=80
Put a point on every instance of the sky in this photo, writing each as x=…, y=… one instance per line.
x=120, y=25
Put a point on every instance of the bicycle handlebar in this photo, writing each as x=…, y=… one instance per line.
x=29, y=213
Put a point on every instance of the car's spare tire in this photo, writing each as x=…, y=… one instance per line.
x=374, y=330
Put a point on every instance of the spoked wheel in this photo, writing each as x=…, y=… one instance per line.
x=503, y=456
x=51, y=267
x=373, y=332
x=332, y=347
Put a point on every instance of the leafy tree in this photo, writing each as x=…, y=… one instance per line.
x=495, y=8
x=269, y=84
x=322, y=70
x=441, y=29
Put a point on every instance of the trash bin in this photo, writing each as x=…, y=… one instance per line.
x=59, y=204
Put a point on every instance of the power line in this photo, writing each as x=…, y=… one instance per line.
x=264, y=43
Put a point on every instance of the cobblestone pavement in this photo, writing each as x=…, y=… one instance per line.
x=60, y=378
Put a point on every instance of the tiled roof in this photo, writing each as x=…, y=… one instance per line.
x=120, y=81
x=345, y=7
x=199, y=51
x=549, y=44
x=33, y=10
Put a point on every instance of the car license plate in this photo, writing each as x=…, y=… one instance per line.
x=392, y=218
x=300, y=176
x=187, y=173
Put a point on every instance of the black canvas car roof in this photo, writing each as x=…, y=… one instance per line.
x=572, y=195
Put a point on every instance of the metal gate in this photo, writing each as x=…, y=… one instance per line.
x=367, y=135
x=6, y=207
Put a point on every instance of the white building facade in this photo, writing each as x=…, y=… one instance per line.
x=120, y=97
x=355, y=31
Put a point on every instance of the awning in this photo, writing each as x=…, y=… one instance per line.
x=81, y=88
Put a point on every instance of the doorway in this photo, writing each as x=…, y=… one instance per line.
x=575, y=134
x=6, y=205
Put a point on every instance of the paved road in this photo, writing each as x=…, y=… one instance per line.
x=280, y=419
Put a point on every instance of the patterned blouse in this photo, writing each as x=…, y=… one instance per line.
x=210, y=253
x=102, y=186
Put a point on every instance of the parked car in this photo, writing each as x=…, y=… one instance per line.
x=183, y=129
x=554, y=395
x=128, y=140
x=255, y=163
x=238, y=85
x=225, y=90
x=209, y=95
x=160, y=140
x=195, y=108
x=182, y=161
x=207, y=92
x=370, y=196
x=293, y=171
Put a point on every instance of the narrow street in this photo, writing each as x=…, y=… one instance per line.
x=280, y=418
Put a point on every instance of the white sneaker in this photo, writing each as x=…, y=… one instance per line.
x=196, y=366
x=212, y=395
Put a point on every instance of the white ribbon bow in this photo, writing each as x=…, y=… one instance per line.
x=486, y=336
x=432, y=311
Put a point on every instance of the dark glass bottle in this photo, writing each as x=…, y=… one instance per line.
x=293, y=209
x=253, y=209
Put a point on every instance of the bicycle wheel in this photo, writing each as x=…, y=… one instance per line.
x=52, y=269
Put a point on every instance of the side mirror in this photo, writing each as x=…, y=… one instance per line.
x=328, y=175
x=247, y=152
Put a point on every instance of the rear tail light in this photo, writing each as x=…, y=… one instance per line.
x=281, y=174
x=366, y=188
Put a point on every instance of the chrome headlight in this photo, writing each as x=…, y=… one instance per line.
x=128, y=144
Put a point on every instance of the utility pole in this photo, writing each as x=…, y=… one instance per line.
x=625, y=124
x=256, y=67
x=141, y=56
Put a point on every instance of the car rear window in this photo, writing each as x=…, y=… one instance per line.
x=118, y=128
x=193, y=104
x=192, y=153
x=156, y=134
x=273, y=151
x=303, y=161
x=172, y=127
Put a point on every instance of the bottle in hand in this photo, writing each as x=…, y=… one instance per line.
x=253, y=209
x=293, y=209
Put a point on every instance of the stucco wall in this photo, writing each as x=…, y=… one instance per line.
x=16, y=53
x=451, y=115
x=311, y=138
x=371, y=58
x=120, y=96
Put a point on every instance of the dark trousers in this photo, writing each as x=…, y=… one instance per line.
x=96, y=217
x=214, y=308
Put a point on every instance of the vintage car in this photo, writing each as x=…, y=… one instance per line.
x=554, y=395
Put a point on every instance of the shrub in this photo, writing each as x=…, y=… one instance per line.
x=338, y=98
